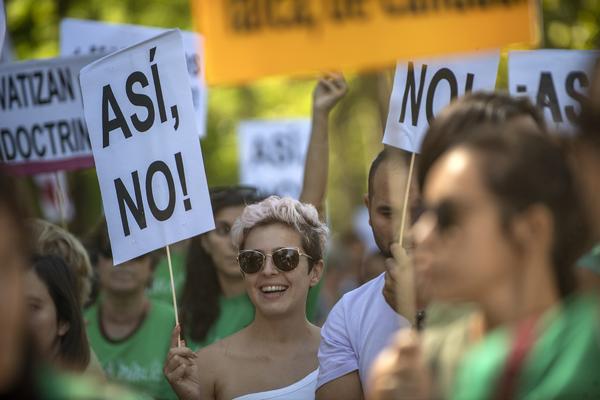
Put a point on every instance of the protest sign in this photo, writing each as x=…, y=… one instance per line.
x=272, y=154
x=557, y=81
x=144, y=138
x=422, y=88
x=299, y=37
x=93, y=37
x=42, y=128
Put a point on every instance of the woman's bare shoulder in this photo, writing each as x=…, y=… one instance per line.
x=220, y=351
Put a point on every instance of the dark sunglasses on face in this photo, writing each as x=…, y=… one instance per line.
x=285, y=259
x=446, y=215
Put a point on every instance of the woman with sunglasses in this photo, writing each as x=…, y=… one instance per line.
x=504, y=225
x=214, y=302
x=281, y=243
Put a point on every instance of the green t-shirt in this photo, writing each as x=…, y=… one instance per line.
x=562, y=364
x=137, y=360
x=161, y=281
x=235, y=314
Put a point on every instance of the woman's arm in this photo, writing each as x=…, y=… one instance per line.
x=327, y=93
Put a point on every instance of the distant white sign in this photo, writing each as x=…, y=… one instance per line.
x=42, y=128
x=555, y=80
x=93, y=37
x=272, y=154
x=144, y=139
x=423, y=88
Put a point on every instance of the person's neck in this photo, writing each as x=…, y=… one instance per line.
x=529, y=296
x=119, y=308
x=281, y=330
x=231, y=286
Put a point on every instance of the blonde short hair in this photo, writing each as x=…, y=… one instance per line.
x=301, y=217
x=50, y=239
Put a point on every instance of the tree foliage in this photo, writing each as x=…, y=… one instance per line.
x=357, y=123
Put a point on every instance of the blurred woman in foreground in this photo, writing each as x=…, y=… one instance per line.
x=505, y=229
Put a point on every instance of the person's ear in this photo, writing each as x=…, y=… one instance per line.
x=316, y=273
x=63, y=328
x=534, y=229
x=367, y=203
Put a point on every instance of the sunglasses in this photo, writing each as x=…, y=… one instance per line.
x=285, y=259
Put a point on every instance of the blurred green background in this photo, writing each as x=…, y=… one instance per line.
x=356, y=124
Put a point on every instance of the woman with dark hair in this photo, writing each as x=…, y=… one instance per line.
x=214, y=303
x=505, y=229
x=55, y=318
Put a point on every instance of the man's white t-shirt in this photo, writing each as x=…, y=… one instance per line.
x=358, y=327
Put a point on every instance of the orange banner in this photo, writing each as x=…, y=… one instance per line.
x=250, y=39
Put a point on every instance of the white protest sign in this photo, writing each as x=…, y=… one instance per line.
x=42, y=128
x=555, y=80
x=89, y=37
x=147, y=152
x=272, y=154
x=423, y=88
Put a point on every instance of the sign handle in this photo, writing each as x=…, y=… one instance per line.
x=411, y=296
x=406, y=195
x=59, y=198
x=173, y=290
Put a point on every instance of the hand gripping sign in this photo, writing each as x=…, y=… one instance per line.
x=423, y=88
x=557, y=81
x=140, y=116
x=93, y=37
x=272, y=154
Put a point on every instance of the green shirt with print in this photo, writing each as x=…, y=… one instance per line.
x=138, y=359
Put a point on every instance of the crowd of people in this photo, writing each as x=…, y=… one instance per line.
x=489, y=291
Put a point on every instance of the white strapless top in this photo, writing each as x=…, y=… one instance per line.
x=304, y=389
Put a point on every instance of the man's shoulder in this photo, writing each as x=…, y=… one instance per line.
x=354, y=303
x=366, y=291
